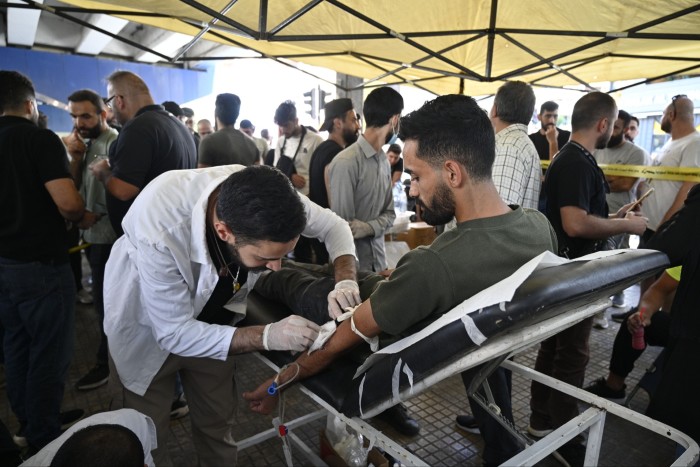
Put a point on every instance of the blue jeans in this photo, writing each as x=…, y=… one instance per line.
x=37, y=307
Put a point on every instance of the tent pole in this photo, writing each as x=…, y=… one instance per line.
x=491, y=39
x=204, y=30
x=306, y=8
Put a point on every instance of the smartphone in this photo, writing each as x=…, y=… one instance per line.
x=641, y=198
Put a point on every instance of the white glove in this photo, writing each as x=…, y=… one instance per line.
x=346, y=294
x=292, y=333
x=360, y=229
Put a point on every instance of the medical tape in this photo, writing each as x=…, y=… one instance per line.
x=395, y=380
x=409, y=374
x=362, y=387
x=659, y=172
x=373, y=342
x=474, y=334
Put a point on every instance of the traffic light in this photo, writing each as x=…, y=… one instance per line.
x=310, y=99
x=322, y=98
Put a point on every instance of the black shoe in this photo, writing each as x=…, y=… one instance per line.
x=397, y=416
x=468, y=423
x=70, y=418
x=573, y=453
x=67, y=419
x=620, y=317
x=601, y=389
x=179, y=408
x=95, y=378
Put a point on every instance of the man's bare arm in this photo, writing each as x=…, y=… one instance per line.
x=247, y=339
x=621, y=184
x=345, y=268
x=677, y=202
x=343, y=340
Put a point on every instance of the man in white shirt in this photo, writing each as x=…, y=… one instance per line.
x=682, y=150
x=194, y=244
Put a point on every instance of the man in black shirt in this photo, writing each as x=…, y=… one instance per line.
x=152, y=141
x=577, y=208
x=549, y=139
x=343, y=129
x=37, y=294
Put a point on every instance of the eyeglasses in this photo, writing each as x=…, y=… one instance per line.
x=673, y=100
x=108, y=101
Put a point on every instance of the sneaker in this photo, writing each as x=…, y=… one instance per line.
x=67, y=418
x=600, y=388
x=71, y=417
x=179, y=408
x=397, y=416
x=84, y=297
x=538, y=433
x=468, y=423
x=620, y=317
x=95, y=378
x=600, y=321
x=574, y=453
x=618, y=300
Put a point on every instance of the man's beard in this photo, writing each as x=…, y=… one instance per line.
x=602, y=141
x=235, y=257
x=442, y=208
x=615, y=140
x=90, y=133
x=349, y=136
x=666, y=125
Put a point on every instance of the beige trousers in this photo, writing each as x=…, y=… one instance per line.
x=210, y=390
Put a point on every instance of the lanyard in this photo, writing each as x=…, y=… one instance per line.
x=301, y=140
x=592, y=160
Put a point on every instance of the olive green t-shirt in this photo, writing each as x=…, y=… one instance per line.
x=430, y=281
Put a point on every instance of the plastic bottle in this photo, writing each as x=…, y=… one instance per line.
x=638, y=336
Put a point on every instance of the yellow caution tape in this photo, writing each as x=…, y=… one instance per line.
x=77, y=248
x=660, y=172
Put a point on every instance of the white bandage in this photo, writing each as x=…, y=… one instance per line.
x=266, y=331
x=373, y=341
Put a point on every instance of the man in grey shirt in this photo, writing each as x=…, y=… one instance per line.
x=621, y=152
x=227, y=145
x=360, y=179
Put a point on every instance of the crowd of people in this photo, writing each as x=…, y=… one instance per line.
x=184, y=224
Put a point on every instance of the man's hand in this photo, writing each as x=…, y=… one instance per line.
x=259, y=400
x=88, y=220
x=361, y=229
x=75, y=144
x=292, y=333
x=634, y=322
x=551, y=133
x=345, y=294
x=298, y=181
x=101, y=169
x=637, y=223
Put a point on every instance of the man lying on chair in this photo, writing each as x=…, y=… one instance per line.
x=449, y=152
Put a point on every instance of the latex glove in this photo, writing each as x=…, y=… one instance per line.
x=345, y=294
x=292, y=333
x=361, y=229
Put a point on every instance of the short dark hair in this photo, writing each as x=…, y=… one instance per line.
x=632, y=117
x=515, y=102
x=381, y=104
x=173, y=107
x=88, y=95
x=590, y=109
x=549, y=106
x=15, y=90
x=452, y=127
x=285, y=113
x=228, y=106
x=626, y=118
x=259, y=203
x=247, y=124
x=395, y=148
x=106, y=445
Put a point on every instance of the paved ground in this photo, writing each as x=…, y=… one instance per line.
x=439, y=442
